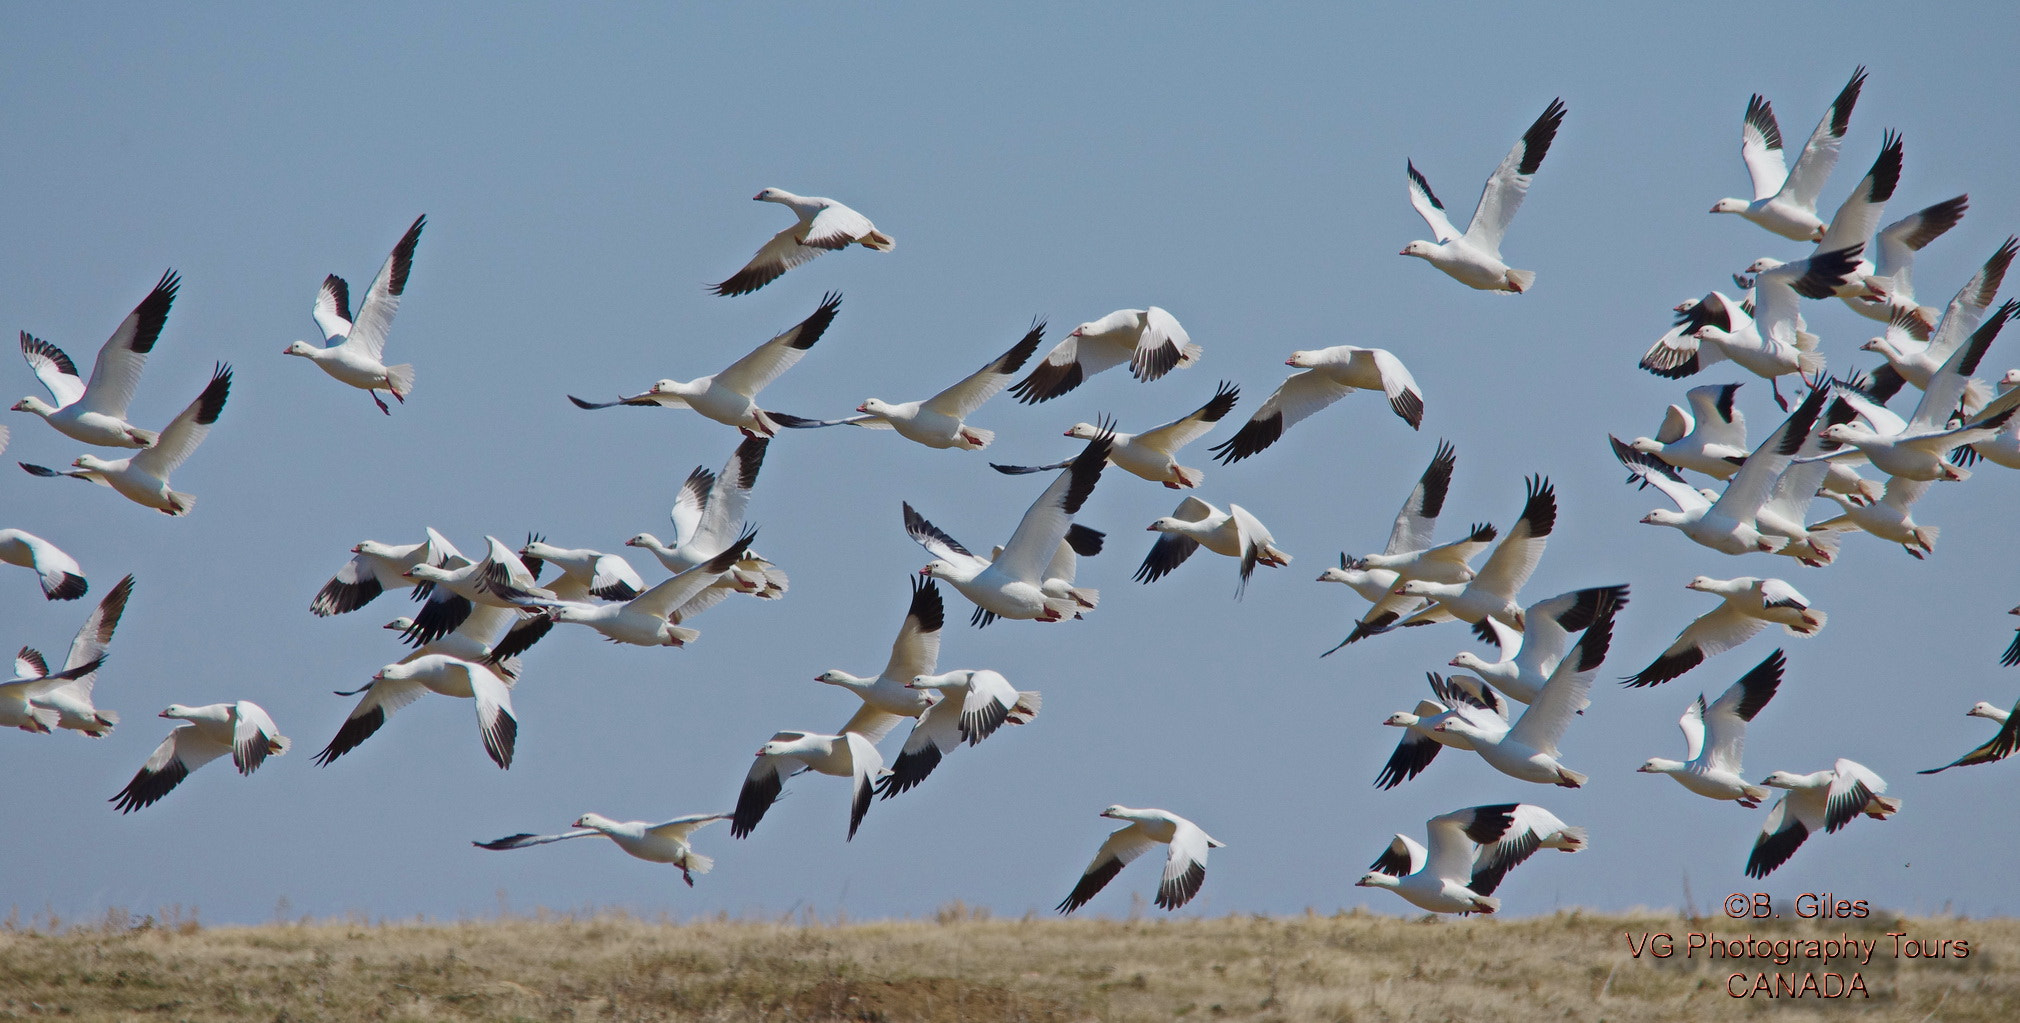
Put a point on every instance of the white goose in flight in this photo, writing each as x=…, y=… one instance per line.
x=664, y=842
x=1714, y=737
x=972, y=706
x=1785, y=199
x=889, y=698
x=1528, y=749
x=242, y=729
x=1152, y=454
x=71, y=701
x=1474, y=258
x=1149, y=340
x=848, y=755
x=1826, y=800
x=941, y=421
x=824, y=225
x=730, y=397
x=1749, y=604
x=95, y=412
x=1235, y=533
x=397, y=685
x=62, y=577
x=353, y=350
x=1329, y=375
x=1471, y=851
x=1184, y=858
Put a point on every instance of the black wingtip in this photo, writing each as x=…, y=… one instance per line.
x=1536, y=141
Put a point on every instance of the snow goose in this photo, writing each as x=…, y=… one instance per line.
x=397, y=685
x=1152, y=454
x=1785, y=199
x=1184, y=858
x=1893, y=254
x=889, y=697
x=707, y=517
x=352, y=350
x=1195, y=524
x=1493, y=589
x=1714, y=737
x=650, y=619
x=33, y=679
x=1149, y=340
x=1474, y=258
x=1748, y=605
x=1852, y=227
x=1329, y=374
x=1471, y=851
x=377, y=567
x=1785, y=513
x=241, y=729
x=730, y=397
x=665, y=842
x=1826, y=799
x=1678, y=353
x=1915, y=351
x=1530, y=655
x=1920, y=447
x=143, y=476
x=1709, y=438
x=973, y=705
x=1458, y=697
x=456, y=585
x=1888, y=518
x=1728, y=524
x=72, y=699
x=1774, y=343
x=584, y=573
x=1080, y=542
x=847, y=755
x=941, y=421
x=2000, y=746
x=1409, y=553
x=1528, y=749
x=2004, y=448
x=823, y=224
x=62, y=577
x=95, y=412
x=1013, y=585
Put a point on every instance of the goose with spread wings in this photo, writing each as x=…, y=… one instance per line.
x=941, y=421
x=707, y=517
x=1149, y=340
x=143, y=476
x=1409, y=553
x=1851, y=228
x=653, y=618
x=848, y=755
x=95, y=412
x=1493, y=589
x=824, y=225
x=1152, y=454
x=1531, y=654
x=1329, y=375
x=1747, y=605
x=1471, y=851
x=889, y=698
x=72, y=701
x=1714, y=737
x=664, y=842
x=730, y=397
x=1457, y=696
x=1235, y=533
x=397, y=685
x=1916, y=351
x=1824, y=800
x=1013, y=585
x=2000, y=746
x=1528, y=749
x=1474, y=258
x=1184, y=859
x=242, y=729
x=1893, y=261
x=973, y=704
x=33, y=679
x=1785, y=198
x=353, y=350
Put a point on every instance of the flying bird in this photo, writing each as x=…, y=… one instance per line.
x=1329, y=375
x=1826, y=800
x=1471, y=851
x=1184, y=858
x=143, y=476
x=823, y=225
x=62, y=577
x=1785, y=198
x=942, y=420
x=665, y=842
x=1748, y=605
x=1194, y=524
x=1474, y=258
x=1714, y=737
x=71, y=701
x=95, y=412
x=1149, y=340
x=1152, y=454
x=242, y=729
x=352, y=350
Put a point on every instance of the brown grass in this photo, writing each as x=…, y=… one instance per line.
x=964, y=966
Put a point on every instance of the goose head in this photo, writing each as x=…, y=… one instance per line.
x=1730, y=205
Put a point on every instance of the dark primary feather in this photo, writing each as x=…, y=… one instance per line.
x=927, y=606
x=499, y=737
x=1423, y=185
x=1218, y=406
x=1539, y=509
x=351, y=733
x=639, y=402
x=1084, y=541
x=1774, y=850
x=1413, y=754
x=403, y=257
x=1665, y=667
x=1091, y=883
x=1999, y=747
x=1025, y=470
x=147, y=789
x=1826, y=271
x=33, y=347
x=1846, y=806
x=1932, y=222
x=1254, y=435
x=810, y=329
x=340, y=294
x=1761, y=114
x=340, y=597
x=437, y=618
x=911, y=768
x=1536, y=141
x=152, y=312
x=1886, y=172
x=759, y=792
x=1393, y=861
x=1848, y=97
x=859, y=806
x=1179, y=890
x=2011, y=658
x=211, y=401
x=1169, y=552
x=1429, y=500
x=70, y=587
x=1086, y=468
x=1758, y=686
x=922, y=531
x=1046, y=381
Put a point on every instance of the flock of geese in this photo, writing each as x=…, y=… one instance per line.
x=478, y=616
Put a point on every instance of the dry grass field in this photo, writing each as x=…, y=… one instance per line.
x=963, y=966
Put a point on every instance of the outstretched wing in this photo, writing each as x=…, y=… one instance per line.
x=1509, y=183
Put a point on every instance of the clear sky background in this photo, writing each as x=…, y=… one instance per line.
x=585, y=176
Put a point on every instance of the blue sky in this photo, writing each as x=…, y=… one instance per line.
x=586, y=176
